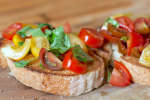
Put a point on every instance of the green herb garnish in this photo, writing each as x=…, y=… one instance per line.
x=81, y=55
x=35, y=32
x=20, y=43
x=23, y=31
x=21, y=63
x=41, y=25
x=111, y=21
x=59, y=41
x=41, y=66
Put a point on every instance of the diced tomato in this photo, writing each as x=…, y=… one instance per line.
x=67, y=27
x=142, y=25
x=108, y=37
x=91, y=37
x=125, y=23
x=120, y=76
x=135, y=40
x=11, y=30
x=71, y=63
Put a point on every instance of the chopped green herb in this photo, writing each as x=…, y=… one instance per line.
x=81, y=55
x=20, y=43
x=124, y=38
x=35, y=32
x=41, y=66
x=44, y=24
x=59, y=41
x=21, y=63
x=23, y=31
x=108, y=74
x=111, y=21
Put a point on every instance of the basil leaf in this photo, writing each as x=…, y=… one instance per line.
x=21, y=63
x=35, y=32
x=20, y=43
x=81, y=55
x=23, y=31
x=59, y=41
x=112, y=21
x=45, y=24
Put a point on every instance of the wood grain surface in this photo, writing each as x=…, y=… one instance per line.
x=80, y=13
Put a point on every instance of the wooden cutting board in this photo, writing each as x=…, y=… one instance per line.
x=80, y=13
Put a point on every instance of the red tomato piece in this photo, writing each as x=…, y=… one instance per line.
x=120, y=76
x=11, y=30
x=142, y=25
x=135, y=40
x=125, y=23
x=71, y=63
x=44, y=28
x=67, y=27
x=91, y=37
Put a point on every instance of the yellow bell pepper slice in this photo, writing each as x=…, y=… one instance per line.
x=17, y=53
x=17, y=39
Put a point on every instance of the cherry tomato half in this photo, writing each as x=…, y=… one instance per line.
x=11, y=30
x=71, y=63
x=120, y=76
x=142, y=25
x=91, y=37
x=125, y=23
x=135, y=40
x=49, y=60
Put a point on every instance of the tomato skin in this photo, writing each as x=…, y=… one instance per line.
x=67, y=27
x=91, y=37
x=142, y=25
x=120, y=76
x=11, y=30
x=135, y=40
x=126, y=23
x=108, y=37
x=71, y=63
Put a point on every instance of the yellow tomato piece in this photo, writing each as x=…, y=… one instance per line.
x=75, y=40
x=16, y=39
x=37, y=44
x=145, y=56
x=31, y=25
x=17, y=53
x=119, y=15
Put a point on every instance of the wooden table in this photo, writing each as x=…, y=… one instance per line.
x=80, y=13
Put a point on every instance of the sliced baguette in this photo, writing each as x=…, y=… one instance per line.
x=140, y=74
x=60, y=82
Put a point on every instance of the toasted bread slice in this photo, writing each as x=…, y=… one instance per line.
x=66, y=83
x=140, y=74
x=63, y=82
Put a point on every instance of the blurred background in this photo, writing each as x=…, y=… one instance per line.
x=80, y=13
